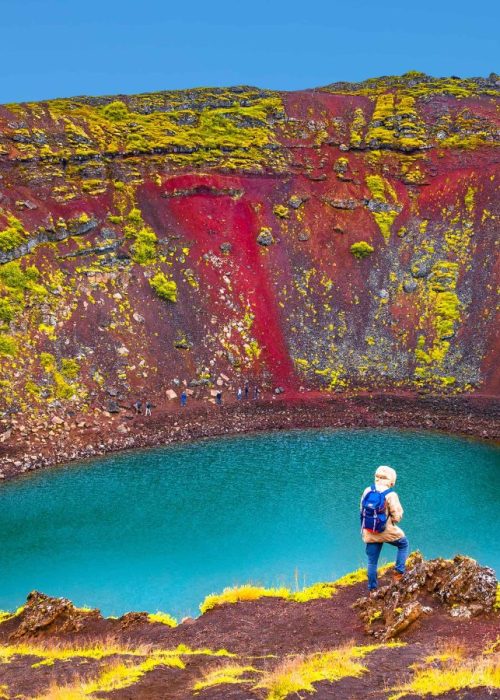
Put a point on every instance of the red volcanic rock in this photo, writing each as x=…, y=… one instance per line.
x=334, y=240
x=465, y=587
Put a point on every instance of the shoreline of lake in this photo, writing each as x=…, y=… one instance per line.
x=71, y=438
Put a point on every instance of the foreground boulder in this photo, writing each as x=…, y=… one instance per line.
x=464, y=587
x=44, y=616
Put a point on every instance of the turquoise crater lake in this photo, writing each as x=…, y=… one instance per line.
x=160, y=529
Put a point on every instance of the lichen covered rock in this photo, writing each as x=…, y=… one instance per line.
x=463, y=586
x=44, y=616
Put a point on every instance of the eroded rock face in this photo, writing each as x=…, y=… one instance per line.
x=463, y=586
x=47, y=616
x=247, y=203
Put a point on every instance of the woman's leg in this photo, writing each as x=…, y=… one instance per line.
x=373, y=550
x=403, y=549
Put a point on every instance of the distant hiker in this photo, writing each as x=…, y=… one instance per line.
x=149, y=406
x=184, y=398
x=138, y=407
x=218, y=398
x=256, y=393
x=247, y=389
x=239, y=393
x=380, y=511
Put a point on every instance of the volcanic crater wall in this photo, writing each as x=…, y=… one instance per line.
x=334, y=239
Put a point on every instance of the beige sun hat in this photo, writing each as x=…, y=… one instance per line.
x=387, y=473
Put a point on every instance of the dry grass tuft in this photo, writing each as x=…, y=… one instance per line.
x=314, y=592
x=242, y=593
x=163, y=618
x=299, y=673
x=231, y=673
x=453, y=675
x=49, y=653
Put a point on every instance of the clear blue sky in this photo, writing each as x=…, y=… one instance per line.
x=59, y=48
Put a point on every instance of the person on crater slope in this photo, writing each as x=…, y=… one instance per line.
x=381, y=510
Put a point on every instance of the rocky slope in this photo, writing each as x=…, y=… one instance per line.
x=323, y=241
x=435, y=632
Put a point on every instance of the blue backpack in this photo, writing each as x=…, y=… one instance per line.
x=373, y=515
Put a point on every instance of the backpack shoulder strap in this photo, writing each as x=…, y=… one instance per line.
x=384, y=493
x=366, y=494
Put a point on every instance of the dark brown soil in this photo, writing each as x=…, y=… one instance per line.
x=261, y=633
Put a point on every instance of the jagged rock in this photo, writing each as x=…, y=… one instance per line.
x=463, y=586
x=461, y=611
x=375, y=205
x=404, y=619
x=113, y=407
x=265, y=237
x=133, y=619
x=182, y=343
x=44, y=615
x=409, y=285
x=421, y=267
x=25, y=204
x=108, y=232
x=343, y=203
x=297, y=201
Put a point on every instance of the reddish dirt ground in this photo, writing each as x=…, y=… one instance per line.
x=259, y=633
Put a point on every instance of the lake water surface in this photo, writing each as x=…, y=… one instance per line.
x=160, y=529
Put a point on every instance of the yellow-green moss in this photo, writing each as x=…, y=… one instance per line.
x=361, y=249
x=382, y=191
x=13, y=235
x=145, y=245
x=235, y=135
x=63, y=384
x=281, y=211
x=164, y=287
x=69, y=368
x=8, y=346
x=6, y=310
x=357, y=125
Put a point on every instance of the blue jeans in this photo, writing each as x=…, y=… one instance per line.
x=373, y=550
